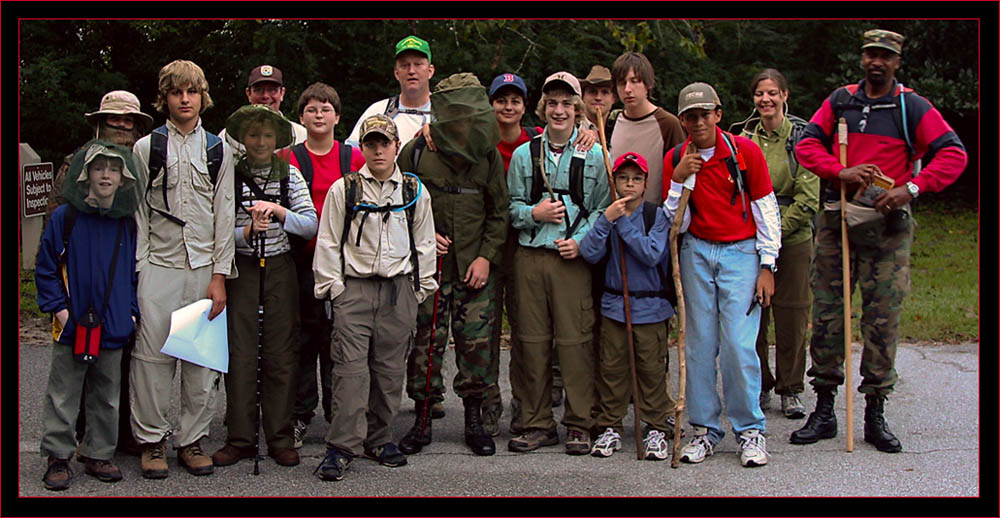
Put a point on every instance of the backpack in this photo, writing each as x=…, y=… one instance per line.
x=667, y=289
x=798, y=129
x=737, y=169
x=840, y=104
x=609, y=124
x=575, y=190
x=158, y=158
x=353, y=205
x=392, y=109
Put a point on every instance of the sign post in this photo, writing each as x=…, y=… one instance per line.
x=35, y=185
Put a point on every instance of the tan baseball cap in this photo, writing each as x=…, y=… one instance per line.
x=121, y=102
x=564, y=77
x=697, y=95
x=379, y=123
x=598, y=76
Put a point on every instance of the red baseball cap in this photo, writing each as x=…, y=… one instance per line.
x=633, y=157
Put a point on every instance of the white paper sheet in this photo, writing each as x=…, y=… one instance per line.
x=195, y=339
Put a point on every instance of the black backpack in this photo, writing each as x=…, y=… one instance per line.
x=158, y=158
x=798, y=129
x=575, y=190
x=738, y=174
x=844, y=98
x=667, y=290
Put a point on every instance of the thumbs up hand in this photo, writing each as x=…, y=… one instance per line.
x=689, y=164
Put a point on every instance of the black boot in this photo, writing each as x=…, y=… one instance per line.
x=876, y=429
x=822, y=424
x=477, y=438
x=414, y=440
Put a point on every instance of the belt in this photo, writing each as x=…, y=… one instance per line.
x=453, y=190
x=719, y=242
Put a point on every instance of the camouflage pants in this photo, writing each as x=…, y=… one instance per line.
x=880, y=266
x=471, y=316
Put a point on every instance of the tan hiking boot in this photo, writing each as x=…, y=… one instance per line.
x=154, y=460
x=195, y=460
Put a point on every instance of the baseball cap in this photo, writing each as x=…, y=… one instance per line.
x=121, y=102
x=883, y=39
x=503, y=80
x=414, y=43
x=634, y=158
x=564, y=77
x=598, y=75
x=265, y=73
x=697, y=95
x=379, y=123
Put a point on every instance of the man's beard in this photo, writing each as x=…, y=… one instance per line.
x=120, y=136
x=878, y=80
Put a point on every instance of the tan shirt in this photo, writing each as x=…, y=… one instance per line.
x=209, y=210
x=385, y=246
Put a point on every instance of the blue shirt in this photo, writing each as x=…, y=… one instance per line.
x=646, y=255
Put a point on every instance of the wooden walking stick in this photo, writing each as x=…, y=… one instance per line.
x=625, y=295
x=846, y=279
x=675, y=230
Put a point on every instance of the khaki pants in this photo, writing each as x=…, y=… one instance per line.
x=279, y=352
x=374, y=322
x=162, y=291
x=554, y=306
x=791, y=307
x=614, y=380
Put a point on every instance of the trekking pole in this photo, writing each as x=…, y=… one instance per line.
x=628, y=307
x=846, y=279
x=260, y=346
x=682, y=319
x=548, y=186
x=430, y=351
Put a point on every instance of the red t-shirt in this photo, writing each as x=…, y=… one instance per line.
x=714, y=216
x=326, y=170
x=507, y=149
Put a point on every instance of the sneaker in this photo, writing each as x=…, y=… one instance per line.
x=299, y=433
x=154, y=460
x=58, y=474
x=333, y=466
x=577, y=443
x=103, y=470
x=699, y=448
x=607, y=444
x=671, y=426
x=387, y=455
x=792, y=406
x=491, y=419
x=654, y=445
x=765, y=400
x=532, y=440
x=752, y=448
x=195, y=460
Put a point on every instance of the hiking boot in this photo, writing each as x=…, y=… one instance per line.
x=103, y=470
x=515, y=417
x=671, y=426
x=578, y=443
x=532, y=440
x=387, y=455
x=475, y=437
x=128, y=446
x=333, y=466
x=654, y=445
x=58, y=474
x=607, y=443
x=154, y=459
x=437, y=410
x=699, y=447
x=792, y=406
x=765, y=400
x=414, y=440
x=876, y=429
x=195, y=460
x=284, y=456
x=822, y=423
x=229, y=454
x=557, y=396
x=491, y=419
x=752, y=448
x=299, y=433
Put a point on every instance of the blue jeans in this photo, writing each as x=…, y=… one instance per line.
x=720, y=281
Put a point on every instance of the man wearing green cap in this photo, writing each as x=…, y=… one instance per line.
x=411, y=108
x=889, y=128
x=469, y=197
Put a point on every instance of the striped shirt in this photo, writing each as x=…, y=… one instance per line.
x=300, y=218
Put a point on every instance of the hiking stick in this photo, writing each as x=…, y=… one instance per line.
x=846, y=279
x=682, y=319
x=260, y=346
x=430, y=351
x=628, y=307
x=548, y=186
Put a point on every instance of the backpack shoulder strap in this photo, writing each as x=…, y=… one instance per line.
x=419, y=144
x=531, y=131
x=352, y=181
x=537, y=184
x=676, y=158
x=798, y=129
x=346, y=153
x=609, y=124
x=157, y=153
x=411, y=187
x=305, y=162
x=392, y=107
x=576, y=181
x=649, y=215
x=213, y=149
x=69, y=219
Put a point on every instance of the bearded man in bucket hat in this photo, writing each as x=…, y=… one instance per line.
x=880, y=242
x=119, y=120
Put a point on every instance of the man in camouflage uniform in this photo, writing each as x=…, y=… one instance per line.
x=468, y=189
x=882, y=118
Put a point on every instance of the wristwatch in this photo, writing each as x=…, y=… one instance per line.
x=773, y=267
x=912, y=189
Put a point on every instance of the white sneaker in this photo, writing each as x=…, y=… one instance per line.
x=299, y=433
x=654, y=446
x=699, y=447
x=607, y=443
x=752, y=448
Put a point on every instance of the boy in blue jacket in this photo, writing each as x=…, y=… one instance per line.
x=646, y=254
x=85, y=275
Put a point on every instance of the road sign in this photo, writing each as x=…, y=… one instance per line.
x=37, y=183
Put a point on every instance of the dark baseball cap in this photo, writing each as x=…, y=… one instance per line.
x=264, y=73
x=503, y=80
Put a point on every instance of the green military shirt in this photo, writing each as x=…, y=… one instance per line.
x=475, y=219
x=796, y=219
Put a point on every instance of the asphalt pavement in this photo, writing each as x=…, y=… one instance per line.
x=935, y=411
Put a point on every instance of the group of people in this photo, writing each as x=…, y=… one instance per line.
x=440, y=214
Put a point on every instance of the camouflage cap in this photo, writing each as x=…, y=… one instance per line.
x=884, y=39
x=379, y=123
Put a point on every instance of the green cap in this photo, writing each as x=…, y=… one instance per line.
x=414, y=43
x=884, y=39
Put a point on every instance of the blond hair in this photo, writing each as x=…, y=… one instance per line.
x=580, y=107
x=179, y=74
